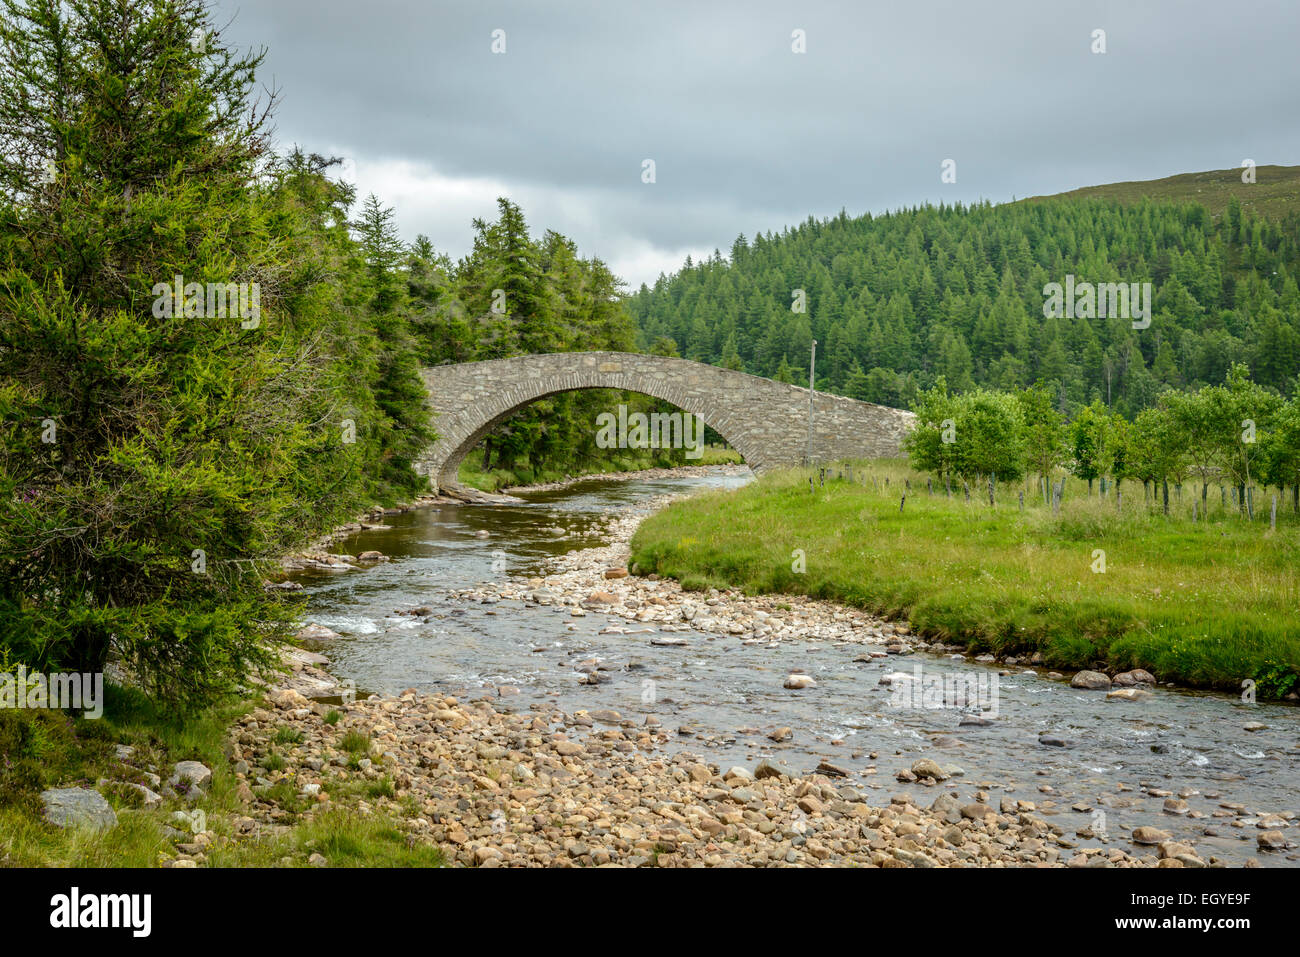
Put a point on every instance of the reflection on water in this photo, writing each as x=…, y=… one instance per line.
x=724, y=696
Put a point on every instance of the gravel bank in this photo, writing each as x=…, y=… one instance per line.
x=496, y=785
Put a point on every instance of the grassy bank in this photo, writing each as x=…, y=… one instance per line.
x=42, y=749
x=472, y=474
x=1207, y=603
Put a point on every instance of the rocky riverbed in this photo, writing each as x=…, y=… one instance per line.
x=597, y=579
x=774, y=744
x=496, y=777
x=495, y=787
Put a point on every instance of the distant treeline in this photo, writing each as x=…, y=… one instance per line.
x=899, y=300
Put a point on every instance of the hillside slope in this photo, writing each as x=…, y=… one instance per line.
x=899, y=299
x=1274, y=195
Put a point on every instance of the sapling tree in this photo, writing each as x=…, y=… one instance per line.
x=1245, y=412
x=932, y=444
x=990, y=437
x=1087, y=439
x=1044, y=431
x=1156, y=447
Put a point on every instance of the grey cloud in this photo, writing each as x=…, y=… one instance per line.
x=748, y=135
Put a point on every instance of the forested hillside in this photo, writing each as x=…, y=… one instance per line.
x=898, y=300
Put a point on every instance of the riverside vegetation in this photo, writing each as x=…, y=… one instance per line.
x=156, y=464
x=1200, y=591
x=1205, y=603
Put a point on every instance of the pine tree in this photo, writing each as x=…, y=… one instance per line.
x=396, y=385
x=172, y=425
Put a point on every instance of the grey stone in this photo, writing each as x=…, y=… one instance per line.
x=150, y=798
x=191, y=772
x=1090, y=681
x=925, y=768
x=948, y=806
x=1054, y=740
x=772, y=769
x=78, y=807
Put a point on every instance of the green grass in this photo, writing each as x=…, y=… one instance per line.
x=1274, y=195
x=83, y=753
x=1208, y=604
x=41, y=749
x=716, y=455
x=344, y=838
x=288, y=736
x=356, y=743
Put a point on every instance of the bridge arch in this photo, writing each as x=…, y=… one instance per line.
x=766, y=421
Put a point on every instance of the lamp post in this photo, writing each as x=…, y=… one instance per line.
x=812, y=366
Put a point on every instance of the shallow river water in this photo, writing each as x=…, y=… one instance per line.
x=723, y=696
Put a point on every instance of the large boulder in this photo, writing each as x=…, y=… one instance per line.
x=947, y=806
x=78, y=807
x=1137, y=676
x=316, y=633
x=1271, y=841
x=772, y=769
x=1090, y=681
x=1150, y=835
x=193, y=773
x=925, y=768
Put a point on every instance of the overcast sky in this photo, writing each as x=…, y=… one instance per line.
x=748, y=135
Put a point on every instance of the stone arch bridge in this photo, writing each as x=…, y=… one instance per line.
x=765, y=421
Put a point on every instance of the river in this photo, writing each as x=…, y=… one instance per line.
x=1121, y=763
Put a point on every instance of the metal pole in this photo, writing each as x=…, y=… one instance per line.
x=812, y=366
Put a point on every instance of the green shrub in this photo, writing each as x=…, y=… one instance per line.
x=356, y=743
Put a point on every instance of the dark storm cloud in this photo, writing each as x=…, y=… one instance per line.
x=747, y=135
